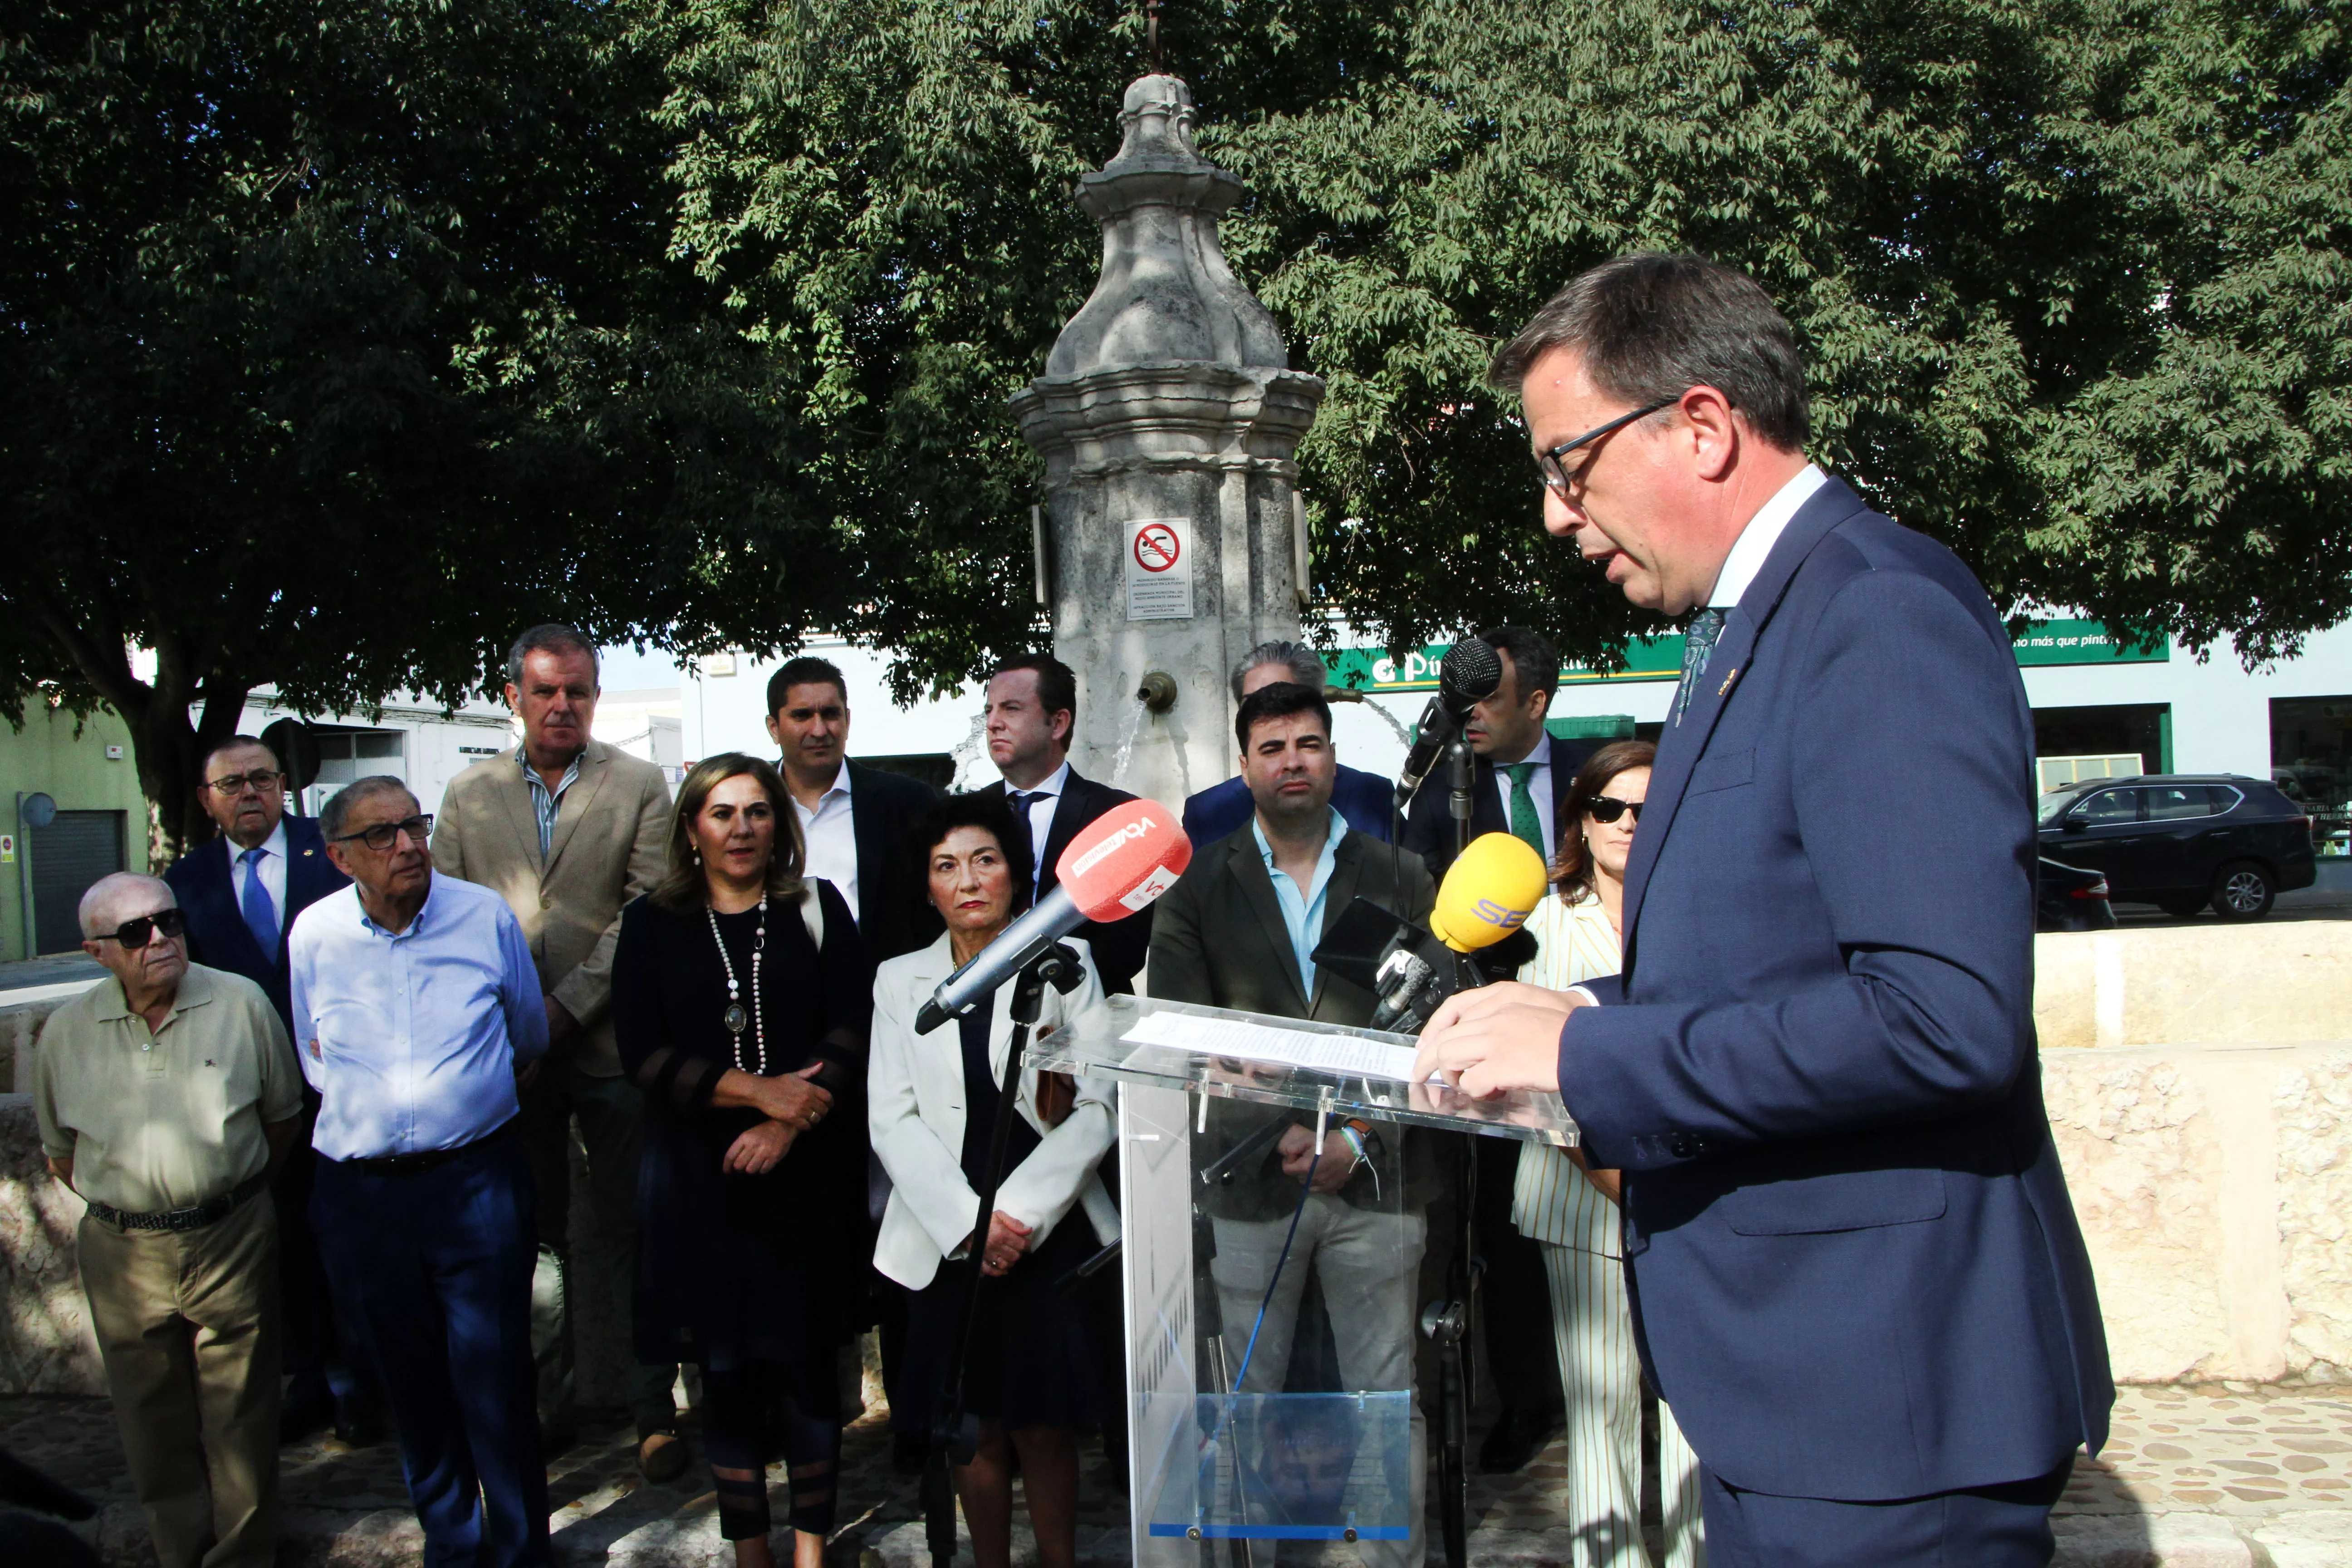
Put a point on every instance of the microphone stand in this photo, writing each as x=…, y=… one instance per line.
x=1449, y=1324
x=955, y=1433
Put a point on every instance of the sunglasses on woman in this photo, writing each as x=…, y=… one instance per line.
x=1609, y=808
x=141, y=931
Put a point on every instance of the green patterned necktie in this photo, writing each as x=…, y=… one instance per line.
x=1698, y=642
x=1525, y=822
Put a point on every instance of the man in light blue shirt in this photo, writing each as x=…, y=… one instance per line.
x=1297, y=890
x=415, y=1008
x=1239, y=929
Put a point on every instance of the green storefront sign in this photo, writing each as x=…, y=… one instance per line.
x=1661, y=658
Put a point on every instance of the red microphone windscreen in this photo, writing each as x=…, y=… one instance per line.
x=1123, y=860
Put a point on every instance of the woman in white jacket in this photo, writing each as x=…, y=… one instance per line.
x=1030, y=1372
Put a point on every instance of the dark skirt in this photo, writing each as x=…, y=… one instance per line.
x=1033, y=1361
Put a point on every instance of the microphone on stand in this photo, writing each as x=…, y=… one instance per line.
x=1116, y=864
x=1468, y=674
x=1486, y=898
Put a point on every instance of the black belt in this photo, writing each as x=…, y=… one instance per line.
x=431, y=1159
x=211, y=1211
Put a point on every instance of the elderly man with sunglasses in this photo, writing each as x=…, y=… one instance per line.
x=167, y=1096
x=416, y=1007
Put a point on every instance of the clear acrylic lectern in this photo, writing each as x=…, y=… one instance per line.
x=1273, y=1294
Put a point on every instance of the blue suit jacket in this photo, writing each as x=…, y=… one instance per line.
x=1856, y=1270
x=217, y=935
x=1221, y=810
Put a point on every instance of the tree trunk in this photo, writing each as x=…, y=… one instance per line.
x=166, y=747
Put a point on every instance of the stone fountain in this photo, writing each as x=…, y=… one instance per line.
x=1168, y=417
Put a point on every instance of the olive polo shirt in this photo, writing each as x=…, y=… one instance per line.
x=169, y=1119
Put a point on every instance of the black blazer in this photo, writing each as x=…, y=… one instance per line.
x=217, y=935
x=894, y=914
x=1429, y=829
x=1118, y=946
x=1220, y=942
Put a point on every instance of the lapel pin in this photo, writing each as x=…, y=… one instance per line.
x=1727, y=681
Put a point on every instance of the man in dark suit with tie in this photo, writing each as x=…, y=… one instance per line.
x=1033, y=702
x=239, y=893
x=1366, y=800
x=1858, y=1276
x=1521, y=781
x=1522, y=772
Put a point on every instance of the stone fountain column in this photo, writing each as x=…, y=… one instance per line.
x=1167, y=418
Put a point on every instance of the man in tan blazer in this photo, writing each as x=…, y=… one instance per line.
x=568, y=830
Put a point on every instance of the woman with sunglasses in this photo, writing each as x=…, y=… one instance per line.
x=1572, y=1211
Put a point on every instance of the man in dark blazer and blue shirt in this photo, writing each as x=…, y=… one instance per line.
x=1857, y=1275
x=240, y=893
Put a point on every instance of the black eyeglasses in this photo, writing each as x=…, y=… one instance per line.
x=383, y=835
x=261, y=780
x=1609, y=808
x=141, y=931
x=1556, y=475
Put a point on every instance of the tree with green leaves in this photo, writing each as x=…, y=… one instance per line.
x=342, y=343
x=2071, y=277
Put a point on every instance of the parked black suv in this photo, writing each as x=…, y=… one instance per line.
x=2181, y=841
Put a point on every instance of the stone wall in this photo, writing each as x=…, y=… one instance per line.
x=2200, y=1081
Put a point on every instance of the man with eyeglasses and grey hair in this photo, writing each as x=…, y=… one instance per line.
x=167, y=1096
x=1220, y=810
x=416, y=1010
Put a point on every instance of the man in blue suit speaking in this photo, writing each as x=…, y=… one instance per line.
x=1856, y=1272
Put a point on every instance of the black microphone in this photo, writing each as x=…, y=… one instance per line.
x=1410, y=971
x=1468, y=674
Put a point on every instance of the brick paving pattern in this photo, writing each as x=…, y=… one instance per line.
x=2195, y=1478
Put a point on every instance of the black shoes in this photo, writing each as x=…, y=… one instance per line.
x=301, y=1417
x=1517, y=1437
x=356, y=1431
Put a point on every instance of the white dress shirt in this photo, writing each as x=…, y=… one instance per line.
x=1539, y=786
x=829, y=837
x=1048, y=799
x=272, y=867
x=1763, y=531
x=412, y=1040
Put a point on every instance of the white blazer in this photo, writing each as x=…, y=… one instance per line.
x=915, y=1113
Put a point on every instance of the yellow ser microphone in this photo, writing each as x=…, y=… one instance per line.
x=1488, y=892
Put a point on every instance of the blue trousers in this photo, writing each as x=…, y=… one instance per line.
x=2003, y=1526
x=434, y=1272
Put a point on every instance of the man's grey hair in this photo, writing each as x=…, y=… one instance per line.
x=99, y=904
x=1304, y=664
x=1648, y=328
x=553, y=637
x=337, y=812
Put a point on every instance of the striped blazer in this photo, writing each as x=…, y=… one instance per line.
x=1552, y=1202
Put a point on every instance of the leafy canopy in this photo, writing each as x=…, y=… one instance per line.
x=2071, y=275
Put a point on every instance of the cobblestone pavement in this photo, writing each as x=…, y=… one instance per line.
x=2207, y=1476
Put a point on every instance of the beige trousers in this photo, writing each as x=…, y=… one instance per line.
x=187, y=1326
x=1600, y=1374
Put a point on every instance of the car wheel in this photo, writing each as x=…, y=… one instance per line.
x=2181, y=908
x=2242, y=891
